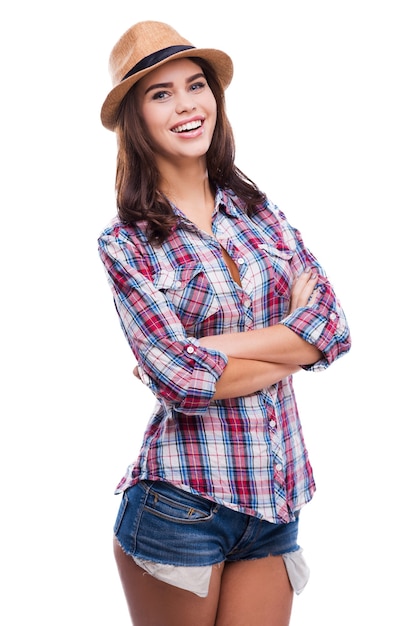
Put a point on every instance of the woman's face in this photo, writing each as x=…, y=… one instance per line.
x=179, y=110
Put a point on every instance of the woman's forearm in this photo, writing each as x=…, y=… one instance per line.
x=242, y=377
x=275, y=344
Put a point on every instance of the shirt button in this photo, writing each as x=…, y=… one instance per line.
x=177, y=284
x=247, y=302
x=190, y=349
x=240, y=261
x=332, y=316
x=272, y=423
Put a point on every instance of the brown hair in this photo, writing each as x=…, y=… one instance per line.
x=137, y=194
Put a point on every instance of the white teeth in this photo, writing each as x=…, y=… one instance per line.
x=188, y=126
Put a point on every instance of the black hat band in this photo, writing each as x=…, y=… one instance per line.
x=154, y=58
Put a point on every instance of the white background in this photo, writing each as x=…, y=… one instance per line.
x=324, y=108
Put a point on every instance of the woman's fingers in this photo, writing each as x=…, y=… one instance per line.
x=302, y=289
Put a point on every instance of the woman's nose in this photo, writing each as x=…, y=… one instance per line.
x=185, y=103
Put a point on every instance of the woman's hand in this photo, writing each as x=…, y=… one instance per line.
x=302, y=289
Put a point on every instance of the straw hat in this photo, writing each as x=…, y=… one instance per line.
x=144, y=47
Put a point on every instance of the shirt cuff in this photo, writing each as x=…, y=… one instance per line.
x=186, y=376
x=327, y=333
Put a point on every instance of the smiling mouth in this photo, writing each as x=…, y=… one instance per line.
x=184, y=128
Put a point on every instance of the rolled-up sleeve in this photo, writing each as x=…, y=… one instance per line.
x=173, y=365
x=322, y=322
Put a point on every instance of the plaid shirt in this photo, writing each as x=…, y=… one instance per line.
x=247, y=453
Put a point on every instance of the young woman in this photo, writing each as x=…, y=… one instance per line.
x=221, y=303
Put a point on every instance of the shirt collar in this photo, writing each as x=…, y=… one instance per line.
x=224, y=201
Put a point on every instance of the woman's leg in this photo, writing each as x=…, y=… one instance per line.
x=155, y=603
x=255, y=592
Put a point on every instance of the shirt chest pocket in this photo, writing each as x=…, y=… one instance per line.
x=189, y=293
x=277, y=266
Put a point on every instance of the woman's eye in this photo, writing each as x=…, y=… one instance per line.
x=159, y=95
x=197, y=86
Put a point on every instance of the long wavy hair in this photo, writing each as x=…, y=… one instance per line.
x=137, y=195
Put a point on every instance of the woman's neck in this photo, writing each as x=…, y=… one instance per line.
x=190, y=190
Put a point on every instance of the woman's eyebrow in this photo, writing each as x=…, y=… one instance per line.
x=170, y=85
x=195, y=76
x=158, y=86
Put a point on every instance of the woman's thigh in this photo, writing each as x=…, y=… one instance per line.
x=152, y=602
x=255, y=592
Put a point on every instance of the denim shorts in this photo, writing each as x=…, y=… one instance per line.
x=160, y=523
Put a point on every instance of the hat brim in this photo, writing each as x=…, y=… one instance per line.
x=220, y=61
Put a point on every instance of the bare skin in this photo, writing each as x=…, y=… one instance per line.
x=245, y=593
